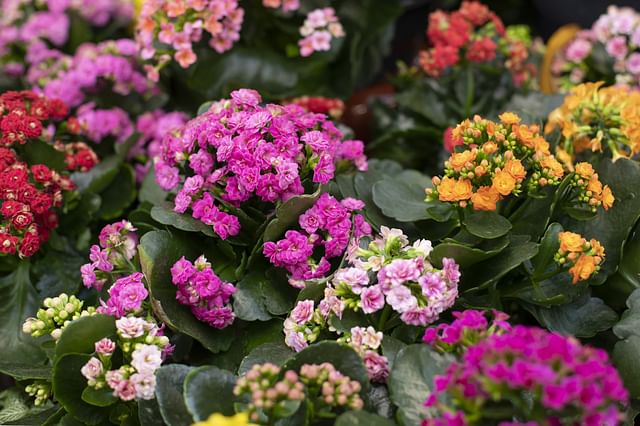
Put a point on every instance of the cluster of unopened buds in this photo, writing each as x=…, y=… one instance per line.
x=40, y=391
x=499, y=160
x=57, y=313
x=590, y=190
x=168, y=28
x=270, y=392
x=203, y=291
x=330, y=224
x=614, y=36
x=478, y=35
x=117, y=247
x=389, y=276
x=582, y=257
x=143, y=347
x=318, y=29
x=333, y=107
x=240, y=151
x=367, y=342
x=469, y=327
x=562, y=381
x=596, y=119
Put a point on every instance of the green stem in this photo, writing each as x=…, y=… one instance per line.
x=384, y=317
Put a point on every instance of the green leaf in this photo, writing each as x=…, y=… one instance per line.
x=487, y=225
x=248, y=301
x=549, y=245
x=482, y=274
x=402, y=196
x=287, y=214
x=21, y=371
x=467, y=256
x=18, y=300
x=362, y=418
x=363, y=184
x=150, y=191
x=68, y=386
x=584, y=317
x=630, y=322
x=625, y=358
x=59, y=271
x=274, y=352
x=169, y=392
x=411, y=380
x=158, y=251
x=344, y=359
x=79, y=336
x=40, y=152
x=149, y=413
x=120, y=193
x=391, y=347
x=100, y=177
x=179, y=221
x=99, y=397
x=204, y=382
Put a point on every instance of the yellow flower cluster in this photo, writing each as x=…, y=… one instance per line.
x=584, y=257
x=591, y=191
x=216, y=419
x=597, y=119
x=501, y=159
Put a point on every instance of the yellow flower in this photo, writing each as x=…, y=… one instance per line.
x=509, y=118
x=583, y=268
x=607, y=197
x=571, y=242
x=217, y=419
x=503, y=182
x=485, y=199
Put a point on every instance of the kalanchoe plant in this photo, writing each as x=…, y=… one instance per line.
x=608, y=51
x=593, y=121
x=240, y=153
x=528, y=374
x=57, y=312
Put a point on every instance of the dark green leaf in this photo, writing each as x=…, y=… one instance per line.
x=362, y=418
x=169, y=392
x=584, y=317
x=274, y=352
x=25, y=371
x=483, y=273
x=629, y=324
x=625, y=358
x=68, y=386
x=411, y=380
x=120, y=193
x=487, y=225
x=149, y=413
x=466, y=256
x=59, y=272
x=99, y=397
x=287, y=214
x=80, y=335
x=179, y=221
x=150, y=191
x=18, y=300
x=40, y=152
x=549, y=245
x=402, y=196
x=100, y=177
x=204, y=382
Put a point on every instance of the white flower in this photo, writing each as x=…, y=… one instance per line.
x=130, y=327
x=92, y=369
x=146, y=358
x=145, y=385
x=423, y=247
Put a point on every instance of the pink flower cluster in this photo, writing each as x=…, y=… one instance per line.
x=240, y=151
x=286, y=5
x=617, y=33
x=203, y=291
x=468, y=328
x=99, y=124
x=118, y=245
x=562, y=381
x=319, y=28
x=174, y=25
x=22, y=24
x=74, y=78
x=126, y=296
x=143, y=346
x=367, y=342
x=329, y=224
x=152, y=127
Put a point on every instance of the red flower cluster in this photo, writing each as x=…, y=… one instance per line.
x=78, y=156
x=27, y=195
x=333, y=107
x=23, y=113
x=474, y=33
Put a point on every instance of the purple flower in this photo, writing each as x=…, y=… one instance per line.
x=401, y=299
x=372, y=299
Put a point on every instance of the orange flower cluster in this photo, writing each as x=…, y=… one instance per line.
x=597, y=119
x=583, y=257
x=590, y=189
x=501, y=159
